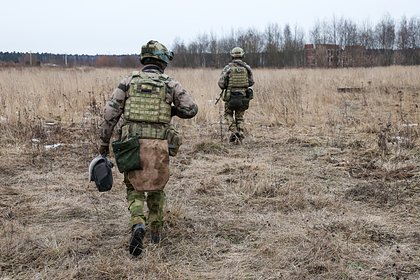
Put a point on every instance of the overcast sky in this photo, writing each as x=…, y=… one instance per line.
x=121, y=27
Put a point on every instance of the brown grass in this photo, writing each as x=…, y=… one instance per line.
x=324, y=187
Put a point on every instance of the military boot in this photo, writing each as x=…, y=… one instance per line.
x=240, y=136
x=155, y=235
x=232, y=138
x=136, y=241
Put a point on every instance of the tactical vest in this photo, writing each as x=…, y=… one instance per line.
x=147, y=99
x=238, y=78
x=146, y=109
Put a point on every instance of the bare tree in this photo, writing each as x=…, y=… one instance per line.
x=293, y=46
x=414, y=32
x=324, y=32
x=273, y=42
x=385, y=32
x=181, y=54
x=347, y=33
x=366, y=35
x=213, y=48
x=403, y=34
x=251, y=41
x=315, y=33
x=385, y=38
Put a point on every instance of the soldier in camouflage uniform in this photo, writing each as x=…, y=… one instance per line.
x=143, y=105
x=236, y=80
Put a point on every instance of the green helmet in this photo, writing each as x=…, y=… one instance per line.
x=237, y=52
x=154, y=49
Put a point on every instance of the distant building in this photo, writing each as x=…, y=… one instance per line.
x=310, y=55
x=328, y=55
x=333, y=56
x=353, y=56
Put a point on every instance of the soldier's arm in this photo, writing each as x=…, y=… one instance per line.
x=250, y=75
x=184, y=105
x=113, y=111
x=224, y=77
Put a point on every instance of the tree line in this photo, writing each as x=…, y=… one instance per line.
x=277, y=47
x=68, y=60
x=396, y=41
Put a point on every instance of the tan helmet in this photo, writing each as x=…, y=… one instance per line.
x=237, y=52
x=154, y=49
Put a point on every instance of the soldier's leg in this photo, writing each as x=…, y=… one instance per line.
x=135, y=201
x=155, y=203
x=230, y=120
x=137, y=221
x=239, y=118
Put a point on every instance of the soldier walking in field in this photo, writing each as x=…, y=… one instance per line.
x=236, y=80
x=143, y=105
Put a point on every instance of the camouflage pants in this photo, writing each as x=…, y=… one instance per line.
x=155, y=202
x=235, y=120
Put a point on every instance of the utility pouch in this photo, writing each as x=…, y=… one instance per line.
x=174, y=140
x=226, y=95
x=249, y=93
x=236, y=101
x=245, y=104
x=127, y=154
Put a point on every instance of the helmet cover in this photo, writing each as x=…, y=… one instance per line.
x=237, y=52
x=154, y=49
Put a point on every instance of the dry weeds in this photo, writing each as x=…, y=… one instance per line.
x=324, y=187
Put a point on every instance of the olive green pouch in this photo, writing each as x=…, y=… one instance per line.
x=226, y=95
x=236, y=101
x=174, y=140
x=127, y=154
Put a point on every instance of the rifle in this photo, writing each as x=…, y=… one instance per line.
x=220, y=96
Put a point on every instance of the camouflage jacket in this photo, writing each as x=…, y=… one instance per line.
x=182, y=103
x=224, y=76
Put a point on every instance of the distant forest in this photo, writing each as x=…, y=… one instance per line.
x=333, y=44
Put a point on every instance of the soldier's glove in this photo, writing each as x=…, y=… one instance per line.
x=103, y=149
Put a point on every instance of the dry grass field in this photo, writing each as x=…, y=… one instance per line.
x=325, y=186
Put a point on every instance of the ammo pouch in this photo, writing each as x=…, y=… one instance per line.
x=127, y=154
x=238, y=101
x=226, y=95
x=174, y=140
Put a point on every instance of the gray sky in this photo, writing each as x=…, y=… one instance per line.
x=121, y=27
